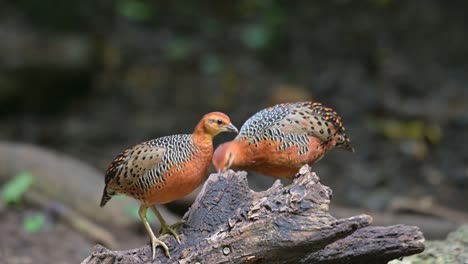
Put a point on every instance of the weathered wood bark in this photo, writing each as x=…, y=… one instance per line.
x=229, y=223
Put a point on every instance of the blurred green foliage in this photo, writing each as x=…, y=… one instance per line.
x=267, y=28
x=179, y=48
x=131, y=209
x=452, y=250
x=34, y=223
x=210, y=63
x=382, y=3
x=12, y=192
x=135, y=10
x=256, y=36
x=415, y=129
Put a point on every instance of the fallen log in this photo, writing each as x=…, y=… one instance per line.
x=229, y=223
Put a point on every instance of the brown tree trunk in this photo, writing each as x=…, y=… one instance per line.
x=229, y=223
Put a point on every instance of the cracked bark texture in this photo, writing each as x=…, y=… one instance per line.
x=229, y=223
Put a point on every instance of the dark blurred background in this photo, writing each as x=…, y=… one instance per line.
x=86, y=79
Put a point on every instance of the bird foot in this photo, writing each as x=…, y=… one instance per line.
x=155, y=241
x=172, y=229
x=177, y=224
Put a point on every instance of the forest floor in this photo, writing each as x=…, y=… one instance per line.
x=57, y=243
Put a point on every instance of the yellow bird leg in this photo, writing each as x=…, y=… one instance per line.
x=164, y=227
x=154, y=240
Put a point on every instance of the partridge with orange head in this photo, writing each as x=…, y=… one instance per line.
x=279, y=140
x=165, y=169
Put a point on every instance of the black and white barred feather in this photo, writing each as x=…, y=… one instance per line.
x=148, y=165
x=292, y=123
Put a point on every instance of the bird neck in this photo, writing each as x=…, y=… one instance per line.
x=243, y=156
x=202, y=139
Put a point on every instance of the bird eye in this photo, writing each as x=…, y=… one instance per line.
x=219, y=122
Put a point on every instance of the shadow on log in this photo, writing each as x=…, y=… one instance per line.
x=229, y=223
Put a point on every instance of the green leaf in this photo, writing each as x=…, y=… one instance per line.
x=210, y=64
x=256, y=36
x=179, y=48
x=134, y=10
x=13, y=190
x=34, y=223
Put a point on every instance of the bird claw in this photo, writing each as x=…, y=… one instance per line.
x=155, y=241
x=177, y=224
x=172, y=230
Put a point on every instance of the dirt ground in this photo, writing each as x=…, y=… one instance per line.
x=57, y=243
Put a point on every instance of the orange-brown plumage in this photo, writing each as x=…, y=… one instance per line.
x=165, y=169
x=277, y=141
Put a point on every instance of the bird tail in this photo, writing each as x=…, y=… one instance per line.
x=106, y=195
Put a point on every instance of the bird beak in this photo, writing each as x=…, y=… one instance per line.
x=232, y=128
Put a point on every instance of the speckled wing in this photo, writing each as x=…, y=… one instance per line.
x=313, y=119
x=134, y=163
x=293, y=122
x=146, y=165
x=262, y=121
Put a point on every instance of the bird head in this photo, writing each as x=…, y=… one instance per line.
x=224, y=156
x=217, y=122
